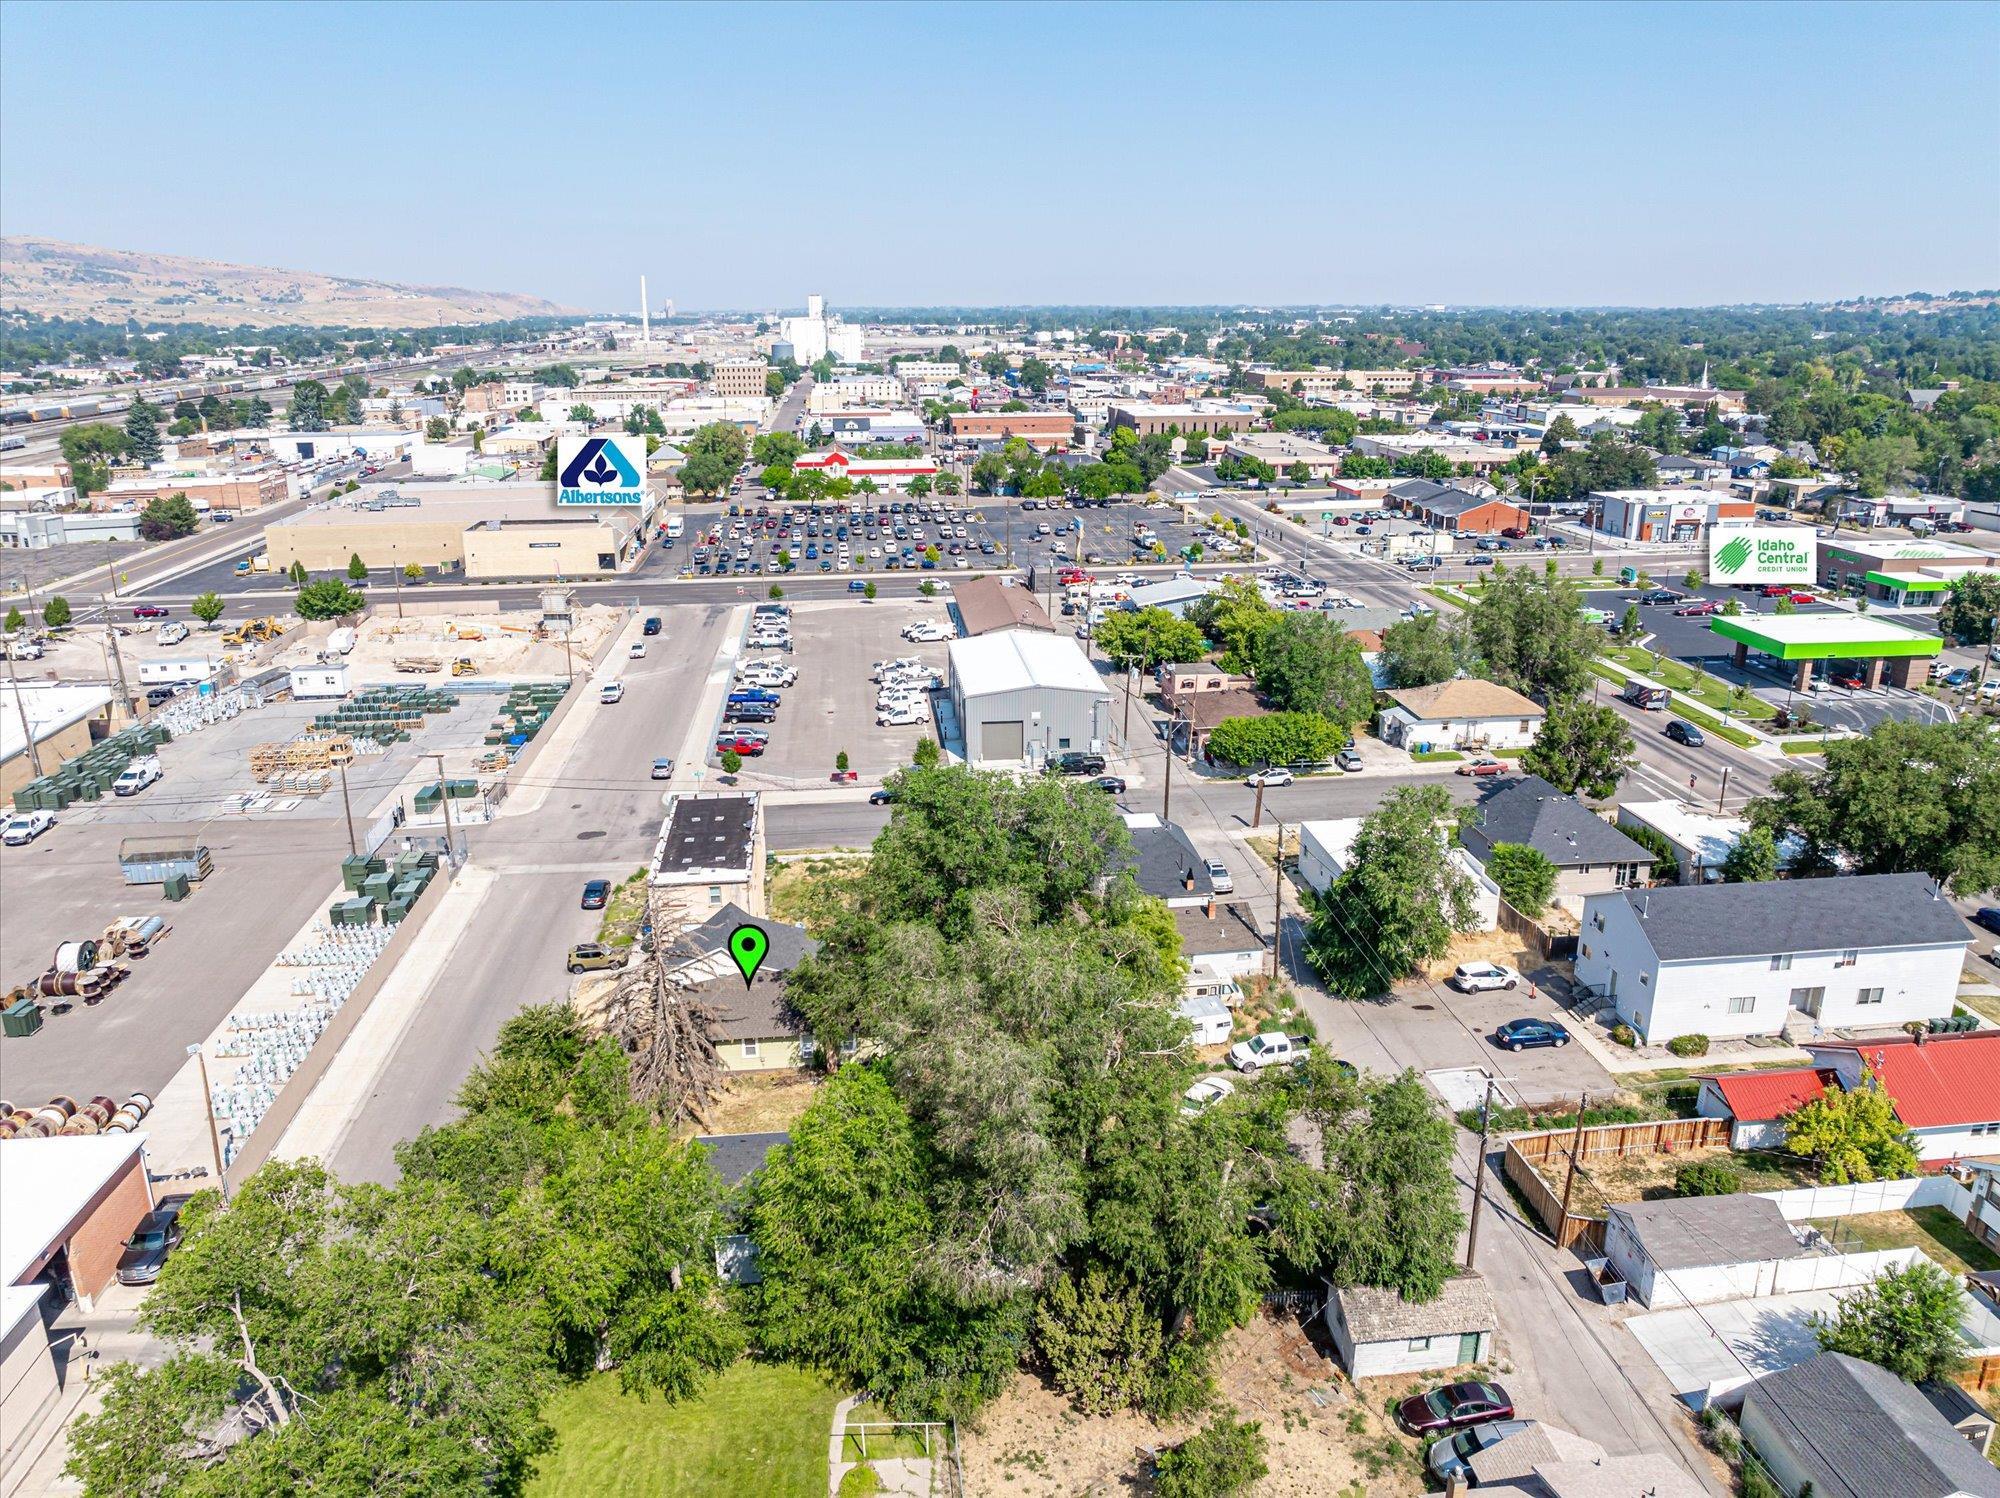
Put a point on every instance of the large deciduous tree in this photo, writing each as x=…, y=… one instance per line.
x=1420, y=652
x=1149, y=637
x=1906, y=1320
x=1307, y=664
x=1852, y=1135
x=1582, y=748
x=1529, y=633
x=1400, y=901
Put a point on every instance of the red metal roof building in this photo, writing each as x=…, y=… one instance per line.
x=1946, y=1087
x=887, y=473
x=1756, y=1103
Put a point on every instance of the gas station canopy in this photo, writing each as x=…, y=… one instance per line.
x=1820, y=637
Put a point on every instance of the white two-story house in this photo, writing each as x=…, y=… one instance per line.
x=1798, y=956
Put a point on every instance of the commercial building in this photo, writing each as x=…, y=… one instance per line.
x=485, y=530
x=1045, y=431
x=1332, y=382
x=1456, y=513
x=234, y=488
x=1492, y=382
x=884, y=473
x=741, y=377
x=710, y=854
x=849, y=391
x=1021, y=697
x=1666, y=515
x=986, y=605
x=1725, y=402
x=1477, y=455
x=1283, y=450
x=1874, y=951
x=865, y=428
x=65, y=721
x=928, y=371
x=338, y=442
x=1878, y=650
x=32, y=530
x=1899, y=571
x=1901, y=509
x=1190, y=418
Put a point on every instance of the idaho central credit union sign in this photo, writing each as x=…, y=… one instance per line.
x=1762, y=554
x=601, y=471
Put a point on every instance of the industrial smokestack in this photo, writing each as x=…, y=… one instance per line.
x=645, y=316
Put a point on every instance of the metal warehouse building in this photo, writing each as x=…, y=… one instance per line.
x=1022, y=697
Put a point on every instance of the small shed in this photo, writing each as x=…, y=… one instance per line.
x=1208, y=1017
x=1378, y=1332
x=1696, y=1250
x=1758, y=1103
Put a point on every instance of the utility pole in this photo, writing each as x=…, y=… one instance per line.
x=445, y=800
x=1575, y=1149
x=214, y=1135
x=1278, y=909
x=118, y=663
x=346, y=806
x=21, y=707
x=1479, y=1174
x=1722, y=790
x=1167, y=777
x=1257, y=814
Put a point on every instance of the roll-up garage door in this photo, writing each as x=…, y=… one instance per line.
x=1002, y=740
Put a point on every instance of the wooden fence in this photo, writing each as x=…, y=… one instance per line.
x=1527, y=1154
x=1553, y=946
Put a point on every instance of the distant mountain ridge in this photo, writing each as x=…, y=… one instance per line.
x=53, y=278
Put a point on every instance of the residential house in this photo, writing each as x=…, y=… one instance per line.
x=1696, y=1250
x=735, y=1158
x=1800, y=955
x=1946, y=1087
x=1982, y=1216
x=1513, y=1462
x=1221, y=943
x=1326, y=848
x=710, y=853
x=986, y=604
x=754, y=1026
x=1164, y=862
x=1757, y=1104
x=1854, y=1430
x=1463, y=714
x=1701, y=841
x=1591, y=856
x=1377, y=1332
x=1649, y=1474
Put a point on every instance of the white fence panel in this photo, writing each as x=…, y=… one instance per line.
x=1838, y=1271
x=1871, y=1196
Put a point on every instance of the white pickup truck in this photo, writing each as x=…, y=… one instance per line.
x=139, y=774
x=1271, y=1048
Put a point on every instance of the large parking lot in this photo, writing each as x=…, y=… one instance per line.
x=831, y=707
x=897, y=534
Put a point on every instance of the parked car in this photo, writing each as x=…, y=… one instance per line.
x=589, y=956
x=1683, y=732
x=1453, y=1407
x=1277, y=776
x=663, y=768
x=1479, y=977
x=1851, y=680
x=1481, y=767
x=1111, y=785
x=1530, y=1034
x=1348, y=759
x=1271, y=1048
x=25, y=827
x=1076, y=762
x=1987, y=916
x=1206, y=1093
x=157, y=1235
x=596, y=894
x=652, y=624
x=1659, y=596
x=1451, y=1458
x=881, y=796
x=1697, y=608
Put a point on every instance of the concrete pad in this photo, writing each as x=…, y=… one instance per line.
x=1701, y=1347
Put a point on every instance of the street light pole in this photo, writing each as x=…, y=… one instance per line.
x=214, y=1133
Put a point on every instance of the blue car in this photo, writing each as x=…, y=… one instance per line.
x=1527, y=1034
x=857, y=585
x=1987, y=916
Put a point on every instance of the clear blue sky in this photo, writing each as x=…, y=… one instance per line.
x=743, y=156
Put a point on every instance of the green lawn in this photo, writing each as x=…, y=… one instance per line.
x=1939, y=1234
x=1804, y=746
x=757, y=1429
x=1691, y=681
x=1435, y=756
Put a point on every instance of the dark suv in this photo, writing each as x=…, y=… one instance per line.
x=1073, y=762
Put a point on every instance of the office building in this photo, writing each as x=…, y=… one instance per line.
x=741, y=377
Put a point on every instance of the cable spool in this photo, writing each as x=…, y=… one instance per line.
x=8, y=1128
x=63, y=1101
x=83, y=1123
x=124, y=1121
x=75, y=957
x=100, y=1110
x=48, y=1121
x=143, y=1101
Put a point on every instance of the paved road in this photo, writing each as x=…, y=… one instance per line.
x=599, y=817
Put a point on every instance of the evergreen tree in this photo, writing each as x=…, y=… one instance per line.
x=142, y=430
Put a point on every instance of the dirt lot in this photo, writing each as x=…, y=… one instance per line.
x=810, y=891
x=761, y=1104
x=1325, y=1438
x=1606, y=1179
x=504, y=645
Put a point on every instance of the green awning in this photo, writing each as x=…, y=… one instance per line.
x=1820, y=637
x=1908, y=583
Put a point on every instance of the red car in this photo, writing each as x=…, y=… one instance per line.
x=1698, y=608
x=1483, y=766
x=1515, y=533
x=1776, y=590
x=149, y=611
x=1799, y=595
x=1452, y=1407
x=743, y=744
x=1848, y=679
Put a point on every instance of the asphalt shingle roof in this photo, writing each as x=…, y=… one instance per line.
x=1561, y=828
x=737, y=1157
x=1699, y=1232
x=1858, y=1431
x=1162, y=857
x=1463, y=1304
x=1689, y=921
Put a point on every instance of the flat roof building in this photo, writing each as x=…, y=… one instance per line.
x=1045, y=431
x=1203, y=418
x=710, y=854
x=741, y=377
x=60, y=718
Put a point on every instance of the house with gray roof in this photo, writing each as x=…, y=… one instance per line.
x=753, y=1025
x=1696, y=1250
x=1164, y=862
x=1591, y=856
x=1376, y=1331
x=1855, y=1430
x=1798, y=957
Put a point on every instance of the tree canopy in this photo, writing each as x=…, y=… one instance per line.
x=1582, y=748
x=1400, y=900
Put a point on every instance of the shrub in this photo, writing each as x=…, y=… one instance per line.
x=1099, y=1338
x=926, y=753
x=1707, y=1178
x=1624, y=1035
x=1222, y=1457
x=1689, y=1045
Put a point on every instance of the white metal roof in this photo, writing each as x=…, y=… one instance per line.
x=50, y=710
x=1010, y=660
x=44, y=1185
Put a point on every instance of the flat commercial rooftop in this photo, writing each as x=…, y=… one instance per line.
x=1811, y=637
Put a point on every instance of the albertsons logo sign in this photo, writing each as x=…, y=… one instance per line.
x=601, y=471
x=1762, y=554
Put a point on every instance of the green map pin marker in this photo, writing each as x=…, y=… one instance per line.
x=748, y=944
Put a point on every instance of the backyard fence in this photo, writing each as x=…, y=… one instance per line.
x=1527, y=1154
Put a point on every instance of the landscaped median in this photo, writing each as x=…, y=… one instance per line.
x=1691, y=681
x=1708, y=722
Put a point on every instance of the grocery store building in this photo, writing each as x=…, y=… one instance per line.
x=1882, y=653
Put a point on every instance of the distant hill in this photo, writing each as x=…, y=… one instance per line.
x=54, y=279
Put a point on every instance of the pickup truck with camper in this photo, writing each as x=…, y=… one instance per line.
x=1270, y=1048
x=139, y=774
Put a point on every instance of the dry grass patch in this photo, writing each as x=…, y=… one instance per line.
x=768, y=1104
x=812, y=891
